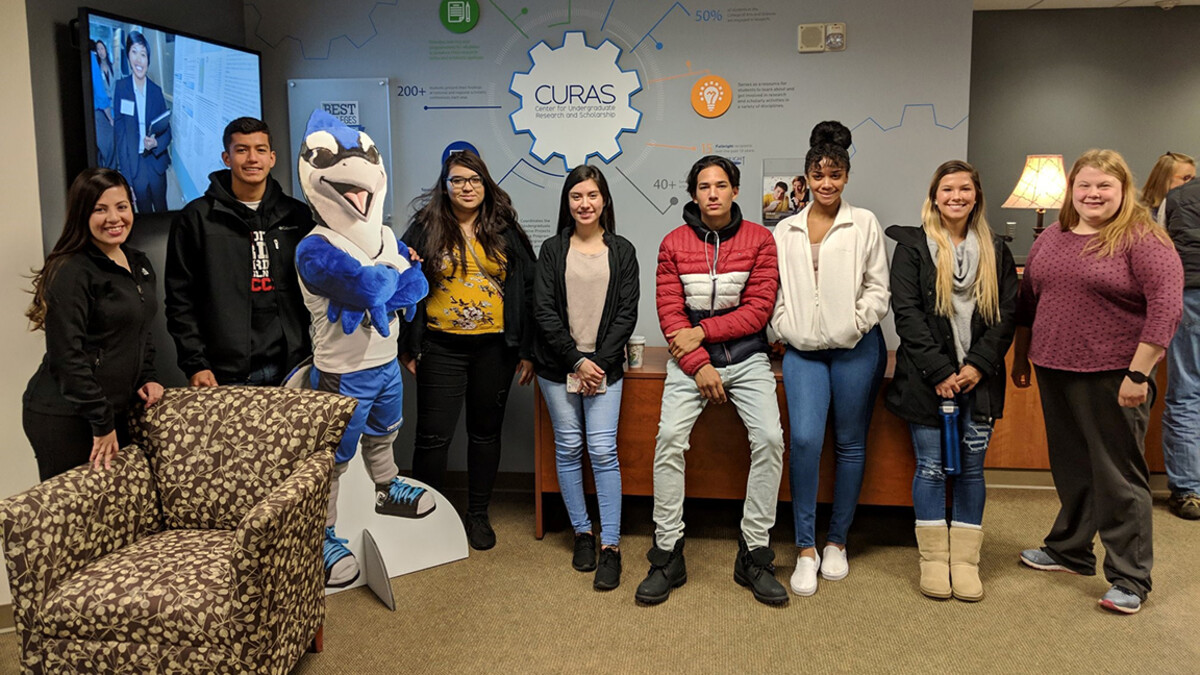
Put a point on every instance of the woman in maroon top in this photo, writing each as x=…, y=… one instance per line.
x=1101, y=297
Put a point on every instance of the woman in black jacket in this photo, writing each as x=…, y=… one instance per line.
x=472, y=331
x=954, y=296
x=585, y=304
x=94, y=298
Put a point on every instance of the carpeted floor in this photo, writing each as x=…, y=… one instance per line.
x=521, y=608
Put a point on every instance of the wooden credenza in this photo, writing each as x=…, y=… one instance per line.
x=719, y=459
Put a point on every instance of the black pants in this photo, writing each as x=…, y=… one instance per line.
x=62, y=443
x=475, y=368
x=1099, y=468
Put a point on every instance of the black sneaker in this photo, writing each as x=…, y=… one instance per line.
x=754, y=570
x=584, y=559
x=667, y=571
x=1185, y=506
x=608, y=572
x=397, y=498
x=480, y=534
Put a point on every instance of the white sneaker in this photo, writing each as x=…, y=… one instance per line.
x=834, y=565
x=804, y=579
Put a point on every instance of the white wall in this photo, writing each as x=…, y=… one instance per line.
x=22, y=250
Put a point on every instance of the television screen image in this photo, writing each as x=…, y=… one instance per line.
x=160, y=100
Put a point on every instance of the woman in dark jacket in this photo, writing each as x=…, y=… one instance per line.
x=94, y=297
x=954, y=296
x=472, y=331
x=585, y=304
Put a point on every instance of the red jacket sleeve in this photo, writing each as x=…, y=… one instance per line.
x=669, y=301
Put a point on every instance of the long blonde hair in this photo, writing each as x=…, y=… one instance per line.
x=987, y=285
x=1158, y=184
x=1131, y=222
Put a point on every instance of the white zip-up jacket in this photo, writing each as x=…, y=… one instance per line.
x=852, y=296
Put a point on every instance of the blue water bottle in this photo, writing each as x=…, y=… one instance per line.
x=951, y=461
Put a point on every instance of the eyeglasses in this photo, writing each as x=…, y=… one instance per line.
x=458, y=182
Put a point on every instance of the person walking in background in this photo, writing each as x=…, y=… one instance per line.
x=1170, y=171
x=141, y=155
x=833, y=292
x=473, y=331
x=954, y=297
x=1100, y=299
x=234, y=305
x=94, y=297
x=586, y=305
x=1181, y=416
x=716, y=282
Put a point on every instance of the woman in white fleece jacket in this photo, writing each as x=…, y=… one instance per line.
x=833, y=292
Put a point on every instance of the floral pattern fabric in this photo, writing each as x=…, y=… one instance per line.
x=462, y=300
x=226, y=577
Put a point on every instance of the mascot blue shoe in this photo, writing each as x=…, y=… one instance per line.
x=357, y=281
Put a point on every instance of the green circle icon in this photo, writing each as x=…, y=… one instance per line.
x=459, y=16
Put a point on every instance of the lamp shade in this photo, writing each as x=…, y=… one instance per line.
x=1043, y=184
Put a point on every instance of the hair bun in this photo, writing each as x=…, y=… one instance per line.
x=830, y=132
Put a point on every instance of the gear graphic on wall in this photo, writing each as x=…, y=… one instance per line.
x=575, y=101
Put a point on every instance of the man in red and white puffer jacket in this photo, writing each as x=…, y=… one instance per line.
x=717, y=279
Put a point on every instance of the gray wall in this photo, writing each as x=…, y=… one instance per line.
x=1064, y=81
x=59, y=112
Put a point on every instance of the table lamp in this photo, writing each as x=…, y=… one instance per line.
x=1043, y=185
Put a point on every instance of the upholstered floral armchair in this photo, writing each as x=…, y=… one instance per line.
x=199, y=552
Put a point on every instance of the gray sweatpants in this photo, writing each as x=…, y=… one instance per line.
x=750, y=387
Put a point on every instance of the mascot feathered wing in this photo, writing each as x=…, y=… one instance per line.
x=356, y=280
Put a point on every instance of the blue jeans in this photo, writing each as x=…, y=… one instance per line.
x=1181, y=417
x=594, y=419
x=929, y=481
x=848, y=379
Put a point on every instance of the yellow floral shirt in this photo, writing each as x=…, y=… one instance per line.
x=463, y=301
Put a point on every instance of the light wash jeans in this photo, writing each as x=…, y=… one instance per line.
x=846, y=381
x=1181, y=417
x=929, y=480
x=750, y=387
x=593, y=419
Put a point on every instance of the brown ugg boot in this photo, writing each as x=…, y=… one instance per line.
x=964, y=563
x=934, y=546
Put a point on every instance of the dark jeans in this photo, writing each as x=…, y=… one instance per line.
x=1097, y=459
x=478, y=369
x=61, y=442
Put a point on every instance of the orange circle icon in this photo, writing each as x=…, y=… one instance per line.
x=711, y=96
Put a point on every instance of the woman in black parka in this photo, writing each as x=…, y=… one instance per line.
x=954, y=296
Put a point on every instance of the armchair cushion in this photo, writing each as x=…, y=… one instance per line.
x=218, y=451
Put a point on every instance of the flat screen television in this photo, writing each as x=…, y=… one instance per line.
x=157, y=103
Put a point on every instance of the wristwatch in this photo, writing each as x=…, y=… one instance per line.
x=1136, y=377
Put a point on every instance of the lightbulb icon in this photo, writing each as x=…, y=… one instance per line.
x=711, y=96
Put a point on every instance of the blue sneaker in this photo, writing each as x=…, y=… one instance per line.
x=1040, y=560
x=397, y=498
x=341, y=568
x=1118, y=599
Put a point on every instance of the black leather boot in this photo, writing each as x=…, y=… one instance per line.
x=754, y=570
x=667, y=571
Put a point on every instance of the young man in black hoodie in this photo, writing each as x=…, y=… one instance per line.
x=233, y=301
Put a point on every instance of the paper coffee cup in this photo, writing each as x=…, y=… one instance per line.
x=637, y=351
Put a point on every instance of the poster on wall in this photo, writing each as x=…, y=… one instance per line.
x=784, y=189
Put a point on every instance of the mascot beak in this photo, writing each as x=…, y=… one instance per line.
x=359, y=198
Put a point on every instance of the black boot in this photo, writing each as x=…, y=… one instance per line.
x=667, y=571
x=608, y=572
x=754, y=570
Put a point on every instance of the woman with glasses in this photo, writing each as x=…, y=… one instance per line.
x=473, y=330
x=585, y=304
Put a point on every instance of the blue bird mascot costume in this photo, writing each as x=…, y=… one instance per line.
x=356, y=280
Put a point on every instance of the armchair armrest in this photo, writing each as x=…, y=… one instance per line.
x=277, y=564
x=59, y=526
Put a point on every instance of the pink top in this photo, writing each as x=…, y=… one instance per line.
x=1089, y=313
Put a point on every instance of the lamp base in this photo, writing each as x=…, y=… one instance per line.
x=1040, y=227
